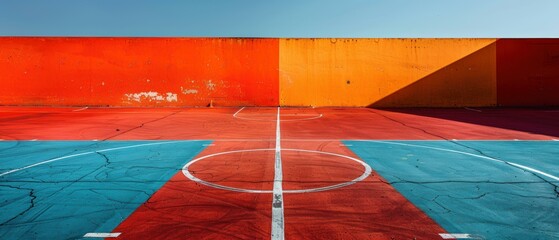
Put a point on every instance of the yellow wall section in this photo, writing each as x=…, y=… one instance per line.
x=387, y=72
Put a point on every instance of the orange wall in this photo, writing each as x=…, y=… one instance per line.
x=63, y=71
x=138, y=71
x=528, y=72
x=387, y=72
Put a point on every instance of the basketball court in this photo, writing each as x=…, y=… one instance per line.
x=278, y=172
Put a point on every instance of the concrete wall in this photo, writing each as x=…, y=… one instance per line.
x=528, y=72
x=387, y=72
x=138, y=71
x=269, y=72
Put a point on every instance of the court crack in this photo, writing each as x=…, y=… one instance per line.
x=408, y=126
x=141, y=125
x=107, y=160
x=461, y=181
x=555, y=186
x=32, y=198
x=447, y=210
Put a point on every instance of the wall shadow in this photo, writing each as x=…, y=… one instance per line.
x=528, y=72
x=469, y=81
x=544, y=121
x=507, y=73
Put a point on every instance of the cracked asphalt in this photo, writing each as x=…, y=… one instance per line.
x=91, y=192
x=475, y=187
x=466, y=170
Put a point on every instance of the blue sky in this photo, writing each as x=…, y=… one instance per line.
x=281, y=18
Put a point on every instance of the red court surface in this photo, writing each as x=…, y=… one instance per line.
x=328, y=192
x=24, y=123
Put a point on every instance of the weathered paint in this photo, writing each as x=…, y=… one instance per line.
x=528, y=72
x=363, y=72
x=138, y=71
x=162, y=72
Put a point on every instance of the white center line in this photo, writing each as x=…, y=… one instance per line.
x=277, y=201
x=237, y=112
x=101, y=235
x=81, y=109
x=455, y=235
x=473, y=109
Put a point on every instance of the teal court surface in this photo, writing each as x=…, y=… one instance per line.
x=489, y=189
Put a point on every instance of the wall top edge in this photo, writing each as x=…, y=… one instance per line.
x=282, y=38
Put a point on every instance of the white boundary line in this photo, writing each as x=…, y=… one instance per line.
x=319, y=140
x=277, y=196
x=265, y=120
x=455, y=235
x=101, y=235
x=81, y=109
x=87, y=153
x=237, y=112
x=473, y=109
x=368, y=140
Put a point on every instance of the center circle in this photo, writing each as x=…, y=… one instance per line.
x=290, y=117
x=366, y=172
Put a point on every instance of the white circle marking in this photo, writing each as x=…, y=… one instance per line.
x=365, y=174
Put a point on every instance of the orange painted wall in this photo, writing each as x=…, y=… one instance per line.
x=387, y=72
x=138, y=71
x=528, y=72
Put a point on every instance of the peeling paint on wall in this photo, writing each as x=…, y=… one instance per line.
x=210, y=85
x=189, y=91
x=151, y=96
x=115, y=71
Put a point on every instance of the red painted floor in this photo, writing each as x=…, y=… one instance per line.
x=25, y=123
x=183, y=209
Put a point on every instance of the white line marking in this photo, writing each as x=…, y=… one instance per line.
x=367, y=171
x=289, y=120
x=33, y=140
x=424, y=140
x=81, y=109
x=472, y=109
x=237, y=112
x=85, y=153
x=367, y=140
x=208, y=145
x=277, y=196
x=554, y=139
x=455, y=235
x=346, y=145
x=285, y=115
x=102, y=235
x=475, y=155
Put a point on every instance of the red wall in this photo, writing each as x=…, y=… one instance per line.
x=138, y=71
x=528, y=72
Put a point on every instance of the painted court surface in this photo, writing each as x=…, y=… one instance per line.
x=273, y=173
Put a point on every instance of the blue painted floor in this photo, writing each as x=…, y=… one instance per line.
x=64, y=189
x=467, y=188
